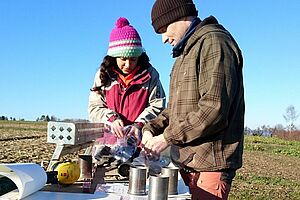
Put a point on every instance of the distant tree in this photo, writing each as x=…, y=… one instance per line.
x=247, y=131
x=290, y=117
x=75, y=120
x=267, y=131
x=257, y=132
x=263, y=130
x=279, y=127
x=3, y=117
x=42, y=118
x=53, y=118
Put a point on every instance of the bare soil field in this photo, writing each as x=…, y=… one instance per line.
x=271, y=168
x=24, y=142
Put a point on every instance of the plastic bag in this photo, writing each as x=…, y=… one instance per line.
x=124, y=148
x=155, y=163
x=119, y=148
x=127, y=149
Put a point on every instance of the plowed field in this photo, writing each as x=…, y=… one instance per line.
x=271, y=167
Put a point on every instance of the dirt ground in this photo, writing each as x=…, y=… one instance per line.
x=24, y=143
x=27, y=143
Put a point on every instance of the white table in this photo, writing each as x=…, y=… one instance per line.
x=109, y=191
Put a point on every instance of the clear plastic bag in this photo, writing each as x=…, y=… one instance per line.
x=127, y=149
x=155, y=163
x=124, y=148
x=119, y=148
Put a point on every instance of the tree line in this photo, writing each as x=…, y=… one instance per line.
x=44, y=118
x=290, y=117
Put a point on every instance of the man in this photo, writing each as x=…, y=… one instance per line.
x=204, y=120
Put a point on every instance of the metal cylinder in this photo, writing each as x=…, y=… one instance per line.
x=86, y=165
x=172, y=173
x=137, y=180
x=158, y=187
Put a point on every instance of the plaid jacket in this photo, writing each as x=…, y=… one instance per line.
x=204, y=120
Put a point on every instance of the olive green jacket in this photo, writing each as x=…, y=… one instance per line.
x=204, y=120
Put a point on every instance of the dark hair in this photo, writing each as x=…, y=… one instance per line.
x=107, y=74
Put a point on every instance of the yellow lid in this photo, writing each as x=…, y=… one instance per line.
x=68, y=172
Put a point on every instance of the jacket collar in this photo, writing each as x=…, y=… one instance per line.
x=209, y=24
x=128, y=78
x=199, y=27
x=138, y=76
x=178, y=48
x=208, y=20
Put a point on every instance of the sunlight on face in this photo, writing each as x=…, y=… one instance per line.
x=174, y=32
x=126, y=65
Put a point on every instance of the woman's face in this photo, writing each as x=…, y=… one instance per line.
x=126, y=65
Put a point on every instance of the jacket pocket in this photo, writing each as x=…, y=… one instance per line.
x=182, y=156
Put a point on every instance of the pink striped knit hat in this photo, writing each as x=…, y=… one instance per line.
x=124, y=40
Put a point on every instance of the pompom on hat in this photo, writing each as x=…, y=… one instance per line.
x=165, y=12
x=124, y=40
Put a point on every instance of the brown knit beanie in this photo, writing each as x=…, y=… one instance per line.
x=165, y=12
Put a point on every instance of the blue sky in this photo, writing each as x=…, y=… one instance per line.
x=50, y=51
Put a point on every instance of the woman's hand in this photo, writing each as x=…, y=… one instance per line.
x=117, y=128
x=136, y=132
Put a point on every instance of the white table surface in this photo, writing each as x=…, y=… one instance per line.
x=109, y=191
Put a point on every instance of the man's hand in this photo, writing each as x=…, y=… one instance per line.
x=147, y=135
x=155, y=145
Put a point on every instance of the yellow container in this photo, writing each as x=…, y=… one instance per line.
x=68, y=172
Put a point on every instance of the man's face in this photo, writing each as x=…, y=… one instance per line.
x=173, y=33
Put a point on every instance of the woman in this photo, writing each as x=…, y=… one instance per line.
x=127, y=89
